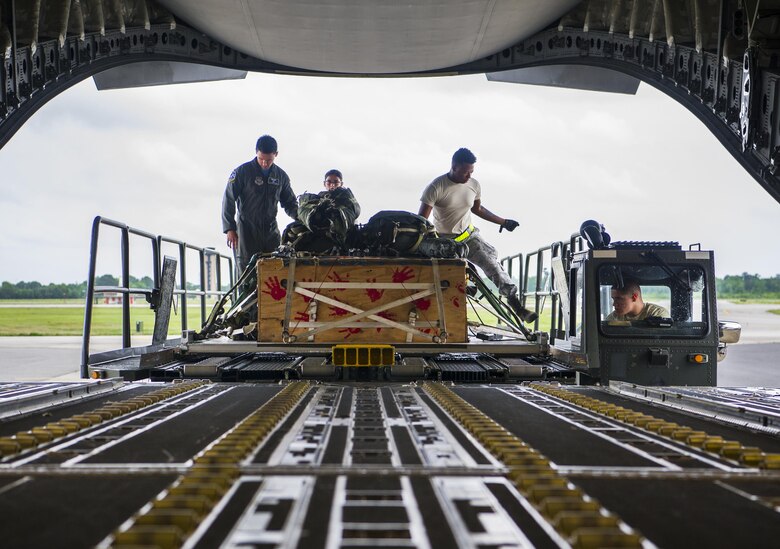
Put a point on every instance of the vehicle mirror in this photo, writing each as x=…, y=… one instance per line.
x=729, y=332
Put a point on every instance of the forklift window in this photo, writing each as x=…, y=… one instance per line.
x=641, y=300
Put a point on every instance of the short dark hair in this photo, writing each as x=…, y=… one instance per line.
x=266, y=144
x=463, y=156
x=334, y=172
x=629, y=286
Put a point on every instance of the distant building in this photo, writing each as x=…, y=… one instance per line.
x=113, y=298
x=212, y=265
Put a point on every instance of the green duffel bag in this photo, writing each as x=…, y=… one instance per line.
x=333, y=211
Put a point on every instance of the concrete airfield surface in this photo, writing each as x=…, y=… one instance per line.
x=754, y=361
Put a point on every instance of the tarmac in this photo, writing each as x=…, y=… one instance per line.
x=52, y=358
x=753, y=362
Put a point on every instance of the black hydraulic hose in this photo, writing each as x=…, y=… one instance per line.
x=502, y=310
x=218, y=306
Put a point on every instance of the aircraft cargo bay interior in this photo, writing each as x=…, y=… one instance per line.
x=392, y=380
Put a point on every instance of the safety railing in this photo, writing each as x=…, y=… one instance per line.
x=203, y=293
x=124, y=289
x=543, y=279
x=511, y=264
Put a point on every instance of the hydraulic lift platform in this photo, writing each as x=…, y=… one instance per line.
x=221, y=359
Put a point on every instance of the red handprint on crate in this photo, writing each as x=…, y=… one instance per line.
x=350, y=332
x=337, y=311
x=335, y=277
x=461, y=286
x=423, y=303
x=301, y=317
x=275, y=289
x=402, y=274
x=455, y=301
x=372, y=293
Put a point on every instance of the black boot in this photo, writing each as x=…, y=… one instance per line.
x=525, y=315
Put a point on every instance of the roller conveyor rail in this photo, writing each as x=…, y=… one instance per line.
x=323, y=464
x=754, y=407
x=25, y=397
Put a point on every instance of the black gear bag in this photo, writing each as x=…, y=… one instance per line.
x=396, y=233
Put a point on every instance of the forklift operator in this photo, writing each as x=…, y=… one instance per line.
x=453, y=197
x=628, y=304
x=255, y=188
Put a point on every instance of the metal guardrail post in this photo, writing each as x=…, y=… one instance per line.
x=126, y=284
x=527, y=270
x=219, y=273
x=183, y=281
x=202, y=255
x=89, y=298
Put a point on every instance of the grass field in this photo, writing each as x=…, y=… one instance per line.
x=59, y=319
x=488, y=318
x=69, y=321
x=754, y=301
x=66, y=318
x=37, y=302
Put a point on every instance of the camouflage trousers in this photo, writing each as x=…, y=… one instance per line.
x=484, y=255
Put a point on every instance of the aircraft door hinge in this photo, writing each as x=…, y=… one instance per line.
x=746, y=116
x=774, y=161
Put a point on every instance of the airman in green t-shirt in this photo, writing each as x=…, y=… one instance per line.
x=628, y=304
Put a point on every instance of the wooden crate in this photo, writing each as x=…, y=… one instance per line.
x=330, y=297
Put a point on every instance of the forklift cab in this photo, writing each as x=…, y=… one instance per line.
x=673, y=296
x=675, y=344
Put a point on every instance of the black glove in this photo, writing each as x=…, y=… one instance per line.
x=509, y=224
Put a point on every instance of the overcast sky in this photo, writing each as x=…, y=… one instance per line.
x=158, y=159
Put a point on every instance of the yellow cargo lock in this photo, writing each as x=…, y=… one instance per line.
x=363, y=355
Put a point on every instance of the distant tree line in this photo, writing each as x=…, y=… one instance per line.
x=748, y=286
x=731, y=286
x=36, y=290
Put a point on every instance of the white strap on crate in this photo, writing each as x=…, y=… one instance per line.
x=288, y=301
x=439, y=299
x=360, y=313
